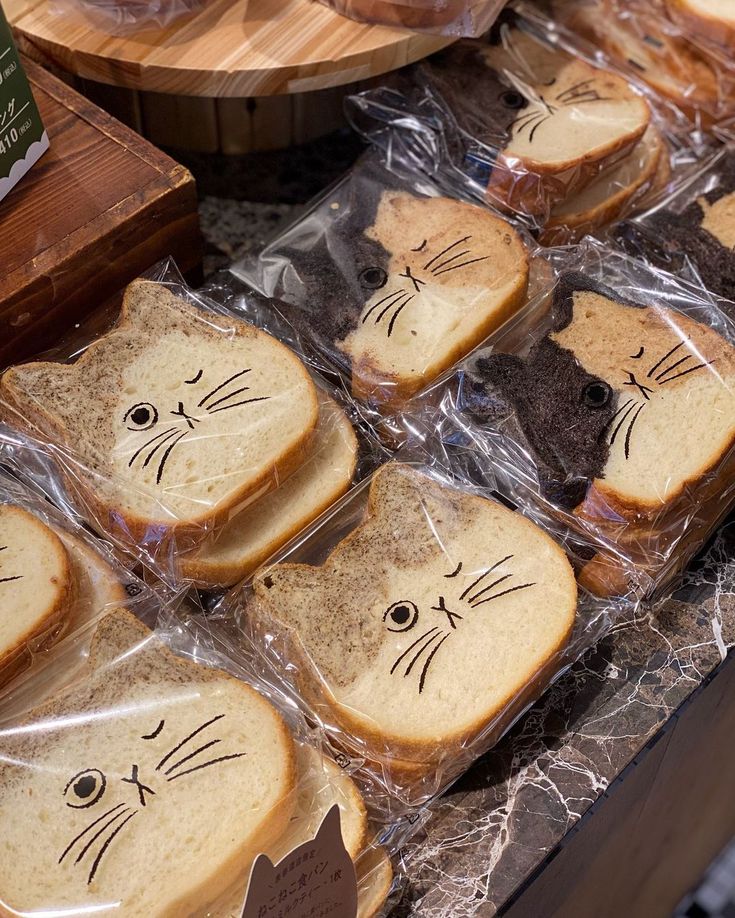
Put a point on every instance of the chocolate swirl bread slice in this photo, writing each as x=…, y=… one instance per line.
x=703, y=232
x=547, y=123
x=626, y=409
x=173, y=419
x=430, y=623
x=395, y=286
x=155, y=781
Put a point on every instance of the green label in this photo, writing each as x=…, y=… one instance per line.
x=22, y=136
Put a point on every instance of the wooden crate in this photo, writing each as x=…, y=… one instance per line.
x=102, y=206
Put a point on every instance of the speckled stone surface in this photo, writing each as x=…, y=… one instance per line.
x=502, y=819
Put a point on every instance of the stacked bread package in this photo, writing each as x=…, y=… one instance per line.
x=609, y=405
x=195, y=438
x=54, y=578
x=521, y=121
x=391, y=283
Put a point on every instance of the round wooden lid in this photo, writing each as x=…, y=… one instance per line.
x=231, y=48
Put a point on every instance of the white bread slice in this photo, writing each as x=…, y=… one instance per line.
x=36, y=585
x=209, y=794
x=576, y=121
x=713, y=20
x=374, y=881
x=428, y=622
x=98, y=586
x=604, y=199
x=261, y=529
x=320, y=785
x=176, y=416
x=671, y=65
x=467, y=278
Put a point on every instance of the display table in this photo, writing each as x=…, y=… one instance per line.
x=615, y=793
x=100, y=207
x=239, y=75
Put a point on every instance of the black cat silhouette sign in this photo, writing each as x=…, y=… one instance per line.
x=317, y=878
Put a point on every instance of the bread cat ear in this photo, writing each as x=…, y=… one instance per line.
x=570, y=287
x=50, y=385
x=144, y=297
x=499, y=380
x=117, y=635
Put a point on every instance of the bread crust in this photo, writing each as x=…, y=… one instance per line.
x=209, y=573
x=569, y=227
x=410, y=14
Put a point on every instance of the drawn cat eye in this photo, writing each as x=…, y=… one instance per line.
x=511, y=98
x=142, y=416
x=85, y=788
x=374, y=278
x=402, y=615
x=596, y=395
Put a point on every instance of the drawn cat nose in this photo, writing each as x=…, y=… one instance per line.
x=143, y=789
x=450, y=615
x=632, y=381
x=181, y=413
x=416, y=281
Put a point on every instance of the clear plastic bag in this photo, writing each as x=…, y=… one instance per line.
x=608, y=404
x=184, y=433
x=418, y=620
x=530, y=121
x=161, y=773
x=443, y=17
x=387, y=283
x=55, y=578
x=121, y=17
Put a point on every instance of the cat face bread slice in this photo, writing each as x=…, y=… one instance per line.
x=626, y=407
x=156, y=782
x=428, y=622
x=702, y=233
x=670, y=64
x=37, y=588
x=263, y=527
x=175, y=416
x=553, y=120
x=397, y=286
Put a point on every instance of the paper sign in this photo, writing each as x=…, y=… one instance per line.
x=23, y=139
x=316, y=880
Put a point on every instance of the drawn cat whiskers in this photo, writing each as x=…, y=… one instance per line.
x=425, y=647
x=580, y=93
x=99, y=834
x=114, y=823
x=661, y=372
x=8, y=579
x=163, y=443
x=191, y=756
